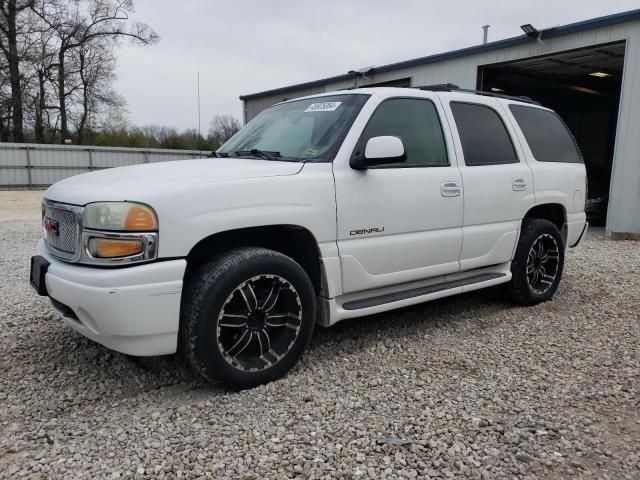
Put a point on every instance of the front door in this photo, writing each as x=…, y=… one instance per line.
x=399, y=223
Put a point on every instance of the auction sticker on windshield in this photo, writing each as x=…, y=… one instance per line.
x=323, y=107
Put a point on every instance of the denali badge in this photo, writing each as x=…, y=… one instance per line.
x=52, y=227
x=366, y=231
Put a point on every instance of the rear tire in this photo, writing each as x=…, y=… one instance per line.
x=247, y=317
x=538, y=263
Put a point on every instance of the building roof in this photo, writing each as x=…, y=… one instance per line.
x=552, y=32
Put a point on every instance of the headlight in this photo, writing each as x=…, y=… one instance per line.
x=114, y=233
x=120, y=216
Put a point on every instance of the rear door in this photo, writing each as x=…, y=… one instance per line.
x=400, y=222
x=555, y=160
x=497, y=182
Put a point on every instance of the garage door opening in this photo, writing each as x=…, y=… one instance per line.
x=583, y=86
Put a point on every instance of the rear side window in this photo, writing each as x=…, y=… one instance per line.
x=484, y=138
x=417, y=123
x=548, y=137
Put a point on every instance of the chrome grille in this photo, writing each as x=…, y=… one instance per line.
x=64, y=242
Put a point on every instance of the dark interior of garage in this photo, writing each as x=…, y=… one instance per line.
x=583, y=86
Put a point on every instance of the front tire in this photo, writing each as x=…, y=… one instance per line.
x=247, y=317
x=538, y=263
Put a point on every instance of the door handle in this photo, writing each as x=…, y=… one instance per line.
x=450, y=189
x=519, y=184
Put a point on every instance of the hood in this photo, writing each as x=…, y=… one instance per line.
x=143, y=182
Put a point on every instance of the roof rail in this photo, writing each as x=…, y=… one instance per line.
x=439, y=87
x=450, y=87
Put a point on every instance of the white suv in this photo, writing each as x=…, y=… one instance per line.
x=323, y=208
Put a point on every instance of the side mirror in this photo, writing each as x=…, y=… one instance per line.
x=380, y=151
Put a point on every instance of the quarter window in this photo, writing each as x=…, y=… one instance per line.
x=416, y=122
x=548, y=137
x=484, y=138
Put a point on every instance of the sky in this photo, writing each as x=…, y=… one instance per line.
x=247, y=46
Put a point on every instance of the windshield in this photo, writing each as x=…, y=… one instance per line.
x=298, y=130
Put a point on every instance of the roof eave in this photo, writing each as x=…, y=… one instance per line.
x=568, y=29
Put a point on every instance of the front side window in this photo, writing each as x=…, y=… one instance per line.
x=548, y=137
x=415, y=121
x=484, y=137
x=299, y=130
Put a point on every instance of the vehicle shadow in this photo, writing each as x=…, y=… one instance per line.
x=447, y=312
x=77, y=364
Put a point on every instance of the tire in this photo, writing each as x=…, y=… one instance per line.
x=247, y=316
x=538, y=263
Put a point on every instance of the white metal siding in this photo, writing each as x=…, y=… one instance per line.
x=624, y=193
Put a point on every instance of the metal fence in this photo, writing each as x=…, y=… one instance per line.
x=26, y=165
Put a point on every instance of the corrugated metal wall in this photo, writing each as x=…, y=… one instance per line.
x=624, y=198
x=34, y=165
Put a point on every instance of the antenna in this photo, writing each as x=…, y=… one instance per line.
x=198, y=106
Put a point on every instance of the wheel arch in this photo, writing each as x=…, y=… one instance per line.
x=294, y=241
x=556, y=213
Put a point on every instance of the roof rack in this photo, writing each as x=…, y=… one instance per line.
x=450, y=87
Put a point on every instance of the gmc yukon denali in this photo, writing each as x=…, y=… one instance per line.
x=320, y=209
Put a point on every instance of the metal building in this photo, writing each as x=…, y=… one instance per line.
x=589, y=72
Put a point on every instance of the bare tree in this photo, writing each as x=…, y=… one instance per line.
x=42, y=62
x=58, y=57
x=10, y=11
x=81, y=26
x=223, y=127
x=5, y=102
x=96, y=72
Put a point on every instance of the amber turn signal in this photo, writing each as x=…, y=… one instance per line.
x=140, y=217
x=114, y=247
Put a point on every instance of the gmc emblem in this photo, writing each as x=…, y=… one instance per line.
x=52, y=227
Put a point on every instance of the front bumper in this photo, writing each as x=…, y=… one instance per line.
x=133, y=310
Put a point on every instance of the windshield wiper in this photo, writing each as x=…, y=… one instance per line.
x=260, y=153
x=215, y=154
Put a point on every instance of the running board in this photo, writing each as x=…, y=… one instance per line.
x=418, y=292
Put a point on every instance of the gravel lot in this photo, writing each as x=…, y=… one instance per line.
x=479, y=388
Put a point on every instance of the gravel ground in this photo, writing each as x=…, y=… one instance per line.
x=479, y=388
